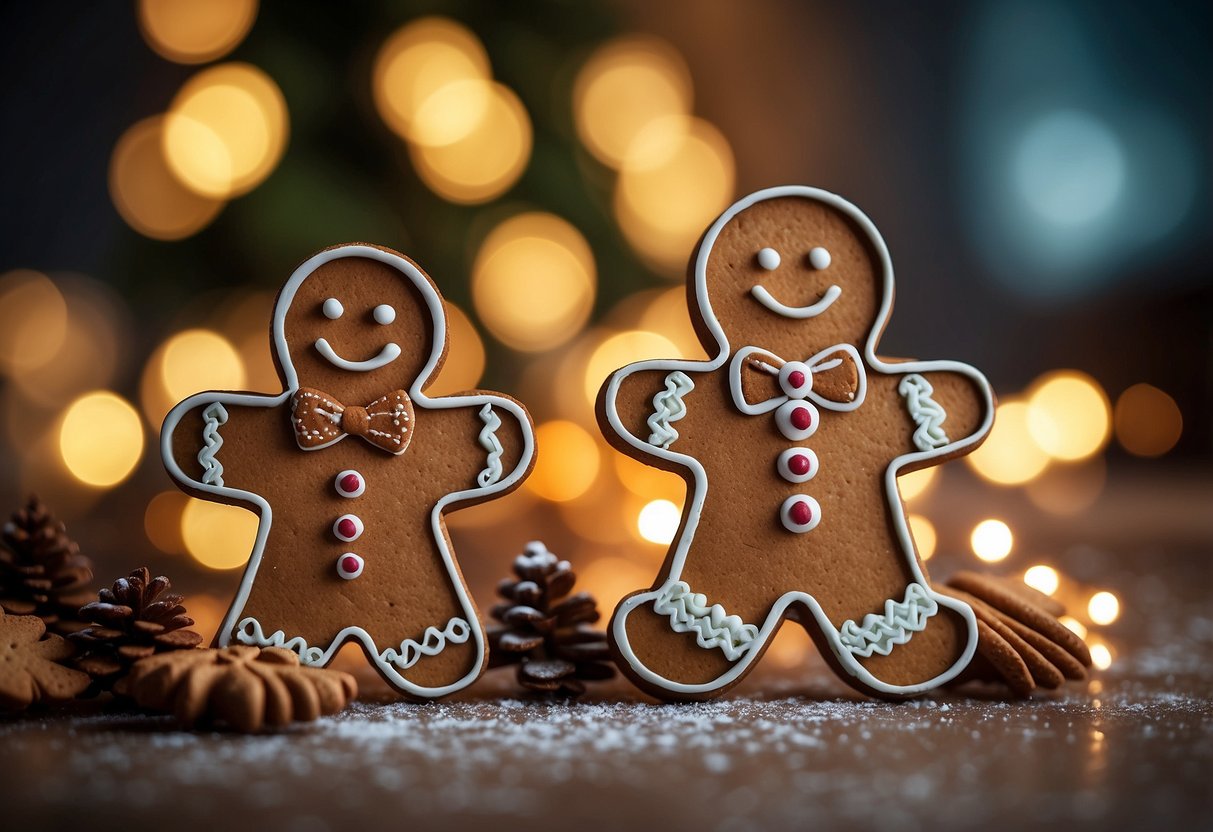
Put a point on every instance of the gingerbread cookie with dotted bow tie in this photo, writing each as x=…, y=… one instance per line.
x=790, y=440
x=351, y=469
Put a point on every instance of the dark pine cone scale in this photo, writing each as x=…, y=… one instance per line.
x=42, y=571
x=134, y=619
x=546, y=631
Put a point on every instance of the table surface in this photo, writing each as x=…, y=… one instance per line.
x=790, y=748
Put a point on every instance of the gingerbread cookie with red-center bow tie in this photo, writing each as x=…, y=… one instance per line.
x=351, y=469
x=790, y=440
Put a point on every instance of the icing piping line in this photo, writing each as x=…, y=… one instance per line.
x=490, y=442
x=249, y=632
x=433, y=642
x=215, y=415
x=901, y=620
x=927, y=413
x=669, y=407
x=713, y=627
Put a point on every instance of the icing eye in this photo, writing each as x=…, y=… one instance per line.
x=332, y=309
x=383, y=314
x=819, y=258
x=768, y=258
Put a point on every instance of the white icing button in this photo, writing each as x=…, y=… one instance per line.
x=797, y=464
x=800, y=513
x=332, y=309
x=348, y=527
x=383, y=314
x=350, y=566
x=349, y=484
x=819, y=258
x=796, y=379
x=797, y=420
x=768, y=258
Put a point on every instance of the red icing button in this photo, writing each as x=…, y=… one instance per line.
x=796, y=379
x=346, y=527
x=799, y=465
x=349, y=563
x=800, y=513
x=801, y=418
x=350, y=482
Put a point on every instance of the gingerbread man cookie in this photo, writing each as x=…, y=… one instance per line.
x=351, y=469
x=790, y=441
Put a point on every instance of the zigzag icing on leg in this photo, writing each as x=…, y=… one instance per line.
x=925, y=411
x=901, y=620
x=490, y=442
x=713, y=627
x=212, y=469
x=433, y=642
x=249, y=632
x=669, y=407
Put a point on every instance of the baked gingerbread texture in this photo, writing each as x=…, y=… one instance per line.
x=351, y=469
x=790, y=439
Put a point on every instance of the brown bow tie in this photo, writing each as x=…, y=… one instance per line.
x=319, y=420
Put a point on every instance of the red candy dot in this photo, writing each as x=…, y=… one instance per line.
x=349, y=564
x=800, y=513
x=801, y=418
x=796, y=379
x=351, y=483
x=799, y=465
x=346, y=528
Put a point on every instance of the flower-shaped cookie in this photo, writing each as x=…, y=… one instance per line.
x=29, y=672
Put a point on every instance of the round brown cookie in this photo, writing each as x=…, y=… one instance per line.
x=245, y=688
x=29, y=669
x=1021, y=605
x=351, y=469
x=1044, y=673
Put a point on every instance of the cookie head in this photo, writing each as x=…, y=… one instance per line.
x=793, y=274
x=357, y=327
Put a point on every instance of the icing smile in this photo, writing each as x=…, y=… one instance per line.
x=827, y=298
x=387, y=355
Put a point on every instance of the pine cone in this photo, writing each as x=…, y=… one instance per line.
x=544, y=632
x=245, y=688
x=131, y=621
x=42, y=571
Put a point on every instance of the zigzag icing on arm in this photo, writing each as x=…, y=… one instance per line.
x=212, y=469
x=925, y=411
x=490, y=442
x=713, y=627
x=433, y=642
x=249, y=632
x=669, y=407
x=901, y=620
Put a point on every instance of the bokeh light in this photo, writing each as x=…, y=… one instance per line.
x=1148, y=421
x=991, y=540
x=620, y=349
x=1069, y=488
x=421, y=59
x=566, y=463
x=1009, y=456
x=487, y=160
x=647, y=481
x=667, y=313
x=1074, y=626
x=1103, y=608
x=147, y=194
x=162, y=521
x=1042, y=578
x=195, y=31
x=226, y=130
x=1068, y=415
x=677, y=177
x=464, y=363
x=101, y=439
x=917, y=483
x=534, y=281
x=609, y=578
x=1070, y=167
x=33, y=321
x=923, y=532
x=658, y=521
x=1101, y=656
x=187, y=363
x=626, y=85
x=218, y=536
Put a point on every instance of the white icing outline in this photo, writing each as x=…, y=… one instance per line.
x=341, y=570
x=349, y=495
x=434, y=304
x=668, y=407
x=490, y=442
x=359, y=528
x=214, y=416
x=901, y=619
x=389, y=353
x=697, y=491
x=814, y=309
x=927, y=413
x=818, y=363
x=689, y=612
x=785, y=514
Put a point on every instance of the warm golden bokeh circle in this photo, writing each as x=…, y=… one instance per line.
x=189, y=362
x=464, y=363
x=619, y=350
x=100, y=439
x=1009, y=456
x=195, y=31
x=1148, y=421
x=917, y=483
x=148, y=194
x=566, y=461
x=923, y=532
x=216, y=535
x=534, y=281
x=1069, y=417
x=162, y=521
x=33, y=321
x=991, y=540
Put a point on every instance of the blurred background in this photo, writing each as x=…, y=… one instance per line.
x=1040, y=171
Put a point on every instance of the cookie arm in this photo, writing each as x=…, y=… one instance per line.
x=210, y=441
x=487, y=442
x=949, y=406
x=642, y=403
